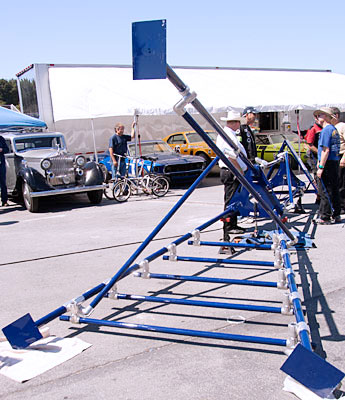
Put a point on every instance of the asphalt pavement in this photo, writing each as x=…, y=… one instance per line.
x=70, y=246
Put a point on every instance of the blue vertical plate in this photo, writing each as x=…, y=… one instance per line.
x=149, y=49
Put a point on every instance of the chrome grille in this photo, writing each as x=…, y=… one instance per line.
x=62, y=166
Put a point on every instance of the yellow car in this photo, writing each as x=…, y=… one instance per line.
x=190, y=142
x=268, y=145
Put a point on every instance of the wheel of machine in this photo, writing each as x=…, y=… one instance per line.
x=160, y=186
x=108, y=191
x=31, y=203
x=95, y=196
x=121, y=191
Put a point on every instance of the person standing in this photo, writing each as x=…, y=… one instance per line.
x=246, y=135
x=341, y=130
x=3, y=150
x=118, y=147
x=228, y=179
x=328, y=168
x=312, y=139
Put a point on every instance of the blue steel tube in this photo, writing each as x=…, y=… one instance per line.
x=288, y=177
x=199, y=303
x=206, y=279
x=297, y=305
x=223, y=261
x=233, y=244
x=178, y=241
x=177, y=82
x=61, y=310
x=145, y=243
x=183, y=332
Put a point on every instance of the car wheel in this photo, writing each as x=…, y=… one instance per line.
x=160, y=186
x=95, y=196
x=205, y=157
x=31, y=203
x=106, y=175
x=121, y=191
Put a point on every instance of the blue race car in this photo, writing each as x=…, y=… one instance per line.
x=174, y=166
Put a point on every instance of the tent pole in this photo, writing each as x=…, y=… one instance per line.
x=136, y=135
x=94, y=140
x=299, y=138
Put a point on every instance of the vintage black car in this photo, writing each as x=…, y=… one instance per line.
x=39, y=165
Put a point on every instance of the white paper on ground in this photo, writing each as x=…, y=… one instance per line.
x=299, y=390
x=22, y=365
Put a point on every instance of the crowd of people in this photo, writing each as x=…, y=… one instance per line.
x=326, y=141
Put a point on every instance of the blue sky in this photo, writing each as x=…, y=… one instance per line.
x=224, y=33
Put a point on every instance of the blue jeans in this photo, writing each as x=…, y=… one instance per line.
x=3, y=183
x=121, y=168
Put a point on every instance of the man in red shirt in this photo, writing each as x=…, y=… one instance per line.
x=312, y=138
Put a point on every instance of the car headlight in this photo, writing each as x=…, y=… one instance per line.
x=80, y=161
x=46, y=164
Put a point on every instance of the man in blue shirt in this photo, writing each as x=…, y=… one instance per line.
x=328, y=168
x=3, y=151
x=118, y=147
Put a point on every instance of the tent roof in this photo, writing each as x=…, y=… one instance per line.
x=13, y=119
x=91, y=92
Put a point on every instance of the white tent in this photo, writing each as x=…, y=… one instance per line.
x=108, y=94
x=101, y=92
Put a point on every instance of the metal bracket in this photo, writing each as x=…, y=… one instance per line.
x=112, y=294
x=76, y=311
x=289, y=271
x=172, y=252
x=196, y=237
x=276, y=242
x=278, y=258
x=188, y=97
x=287, y=306
x=294, y=295
x=291, y=243
x=145, y=269
x=290, y=207
x=292, y=339
x=282, y=282
x=302, y=326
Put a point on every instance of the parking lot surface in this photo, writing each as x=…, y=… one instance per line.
x=69, y=247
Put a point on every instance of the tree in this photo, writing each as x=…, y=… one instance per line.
x=9, y=92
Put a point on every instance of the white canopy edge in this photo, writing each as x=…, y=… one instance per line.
x=90, y=92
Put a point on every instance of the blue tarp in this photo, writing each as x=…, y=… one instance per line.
x=13, y=119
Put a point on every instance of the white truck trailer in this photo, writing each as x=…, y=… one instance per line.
x=85, y=101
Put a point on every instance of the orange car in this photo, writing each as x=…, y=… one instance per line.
x=191, y=143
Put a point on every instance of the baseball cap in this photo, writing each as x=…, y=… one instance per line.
x=249, y=110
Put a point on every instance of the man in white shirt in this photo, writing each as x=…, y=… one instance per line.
x=233, y=121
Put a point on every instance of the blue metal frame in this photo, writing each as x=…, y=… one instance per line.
x=188, y=278
x=234, y=244
x=199, y=303
x=223, y=261
x=184, y=332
